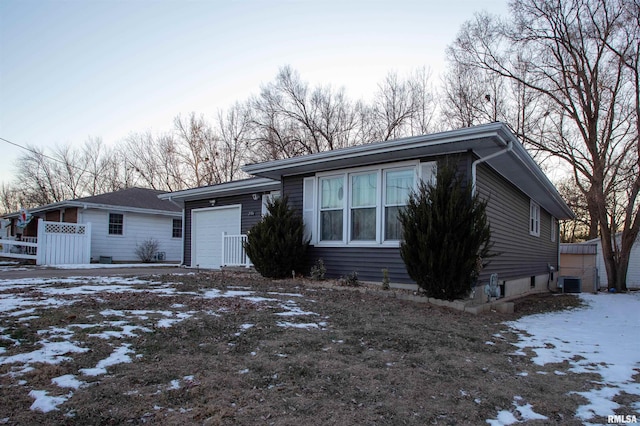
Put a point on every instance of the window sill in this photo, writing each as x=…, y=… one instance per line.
x=354, y=244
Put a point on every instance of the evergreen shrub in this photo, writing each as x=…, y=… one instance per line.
x=446, y=236
x=276, y=244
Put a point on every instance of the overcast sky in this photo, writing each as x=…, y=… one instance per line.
x=70, y=70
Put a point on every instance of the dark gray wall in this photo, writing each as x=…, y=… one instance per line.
x=251, y=214
x=521, y=254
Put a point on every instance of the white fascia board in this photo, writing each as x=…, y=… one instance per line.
x=127, y=209
x=229, y=188
x=278, y=168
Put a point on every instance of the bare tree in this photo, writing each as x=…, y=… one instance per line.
x=234, y=136
x=68, y=164
x=576, y=62
x=197, y=150
x=290, y=118
x=103, y=166
x=424, y=118
x=463, y=96
x=402, y=107
x=9, y=198
x=154, y=161
x=577, y=229
x=37, y=177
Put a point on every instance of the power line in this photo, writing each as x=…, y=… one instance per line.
x=33, y=151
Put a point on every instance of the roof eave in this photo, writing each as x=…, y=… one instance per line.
x=276, y=169
x=224, y=189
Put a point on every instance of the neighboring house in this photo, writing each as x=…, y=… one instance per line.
x=349, y=199
x=120, y=221
x=633, y=272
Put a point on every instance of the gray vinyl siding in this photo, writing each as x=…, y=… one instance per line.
x=251, y=214
x=520, y=254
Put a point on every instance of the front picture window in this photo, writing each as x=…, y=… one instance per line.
x=363, y=206
x=331, y=208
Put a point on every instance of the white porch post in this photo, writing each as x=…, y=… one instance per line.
x=40, y=249
x=87, y=245
x=224, y=244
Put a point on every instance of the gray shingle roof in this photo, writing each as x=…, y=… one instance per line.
x=141, y=198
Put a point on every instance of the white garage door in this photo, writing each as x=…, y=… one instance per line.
x=207, y=226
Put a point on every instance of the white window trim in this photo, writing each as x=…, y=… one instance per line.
x=420, y=170
x=534, y=218
x=376, y=206
x=554, y=229
x=109, y=222
x=181, y=228
x=345, y=219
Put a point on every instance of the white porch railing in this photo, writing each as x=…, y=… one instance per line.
x=233, y=253
x=25, y=248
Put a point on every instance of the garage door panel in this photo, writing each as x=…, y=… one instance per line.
x=208, y=225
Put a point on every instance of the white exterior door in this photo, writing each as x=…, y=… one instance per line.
x=207, y=226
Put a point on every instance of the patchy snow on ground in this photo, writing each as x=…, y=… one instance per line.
x=119, y=356
x=58, y=344
x=601, y=338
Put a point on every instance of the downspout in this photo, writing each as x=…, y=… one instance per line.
x=487, y=158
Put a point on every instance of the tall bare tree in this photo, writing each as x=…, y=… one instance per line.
x=9, y=198
x=401, y=107
x=290, y=118
x=197, y=150
x=37, y=178
x=154, y=161
x=576, y=56
x=234, y=136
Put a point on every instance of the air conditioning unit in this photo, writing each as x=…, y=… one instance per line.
x=570, y=284
x=160, y=256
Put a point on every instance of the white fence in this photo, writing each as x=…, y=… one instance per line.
x=57, y=243
x=233, y=253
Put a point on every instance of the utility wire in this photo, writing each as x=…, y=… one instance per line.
x=33, y=151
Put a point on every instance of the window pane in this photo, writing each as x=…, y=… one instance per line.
x=363, y=190
x=392, y=225
x=332, y=192
x=115, y=223
x=363, y=224
x=331, y=225
x=398, y=186
x=177, y=228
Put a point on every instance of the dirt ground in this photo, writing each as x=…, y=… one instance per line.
x=284, y=353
